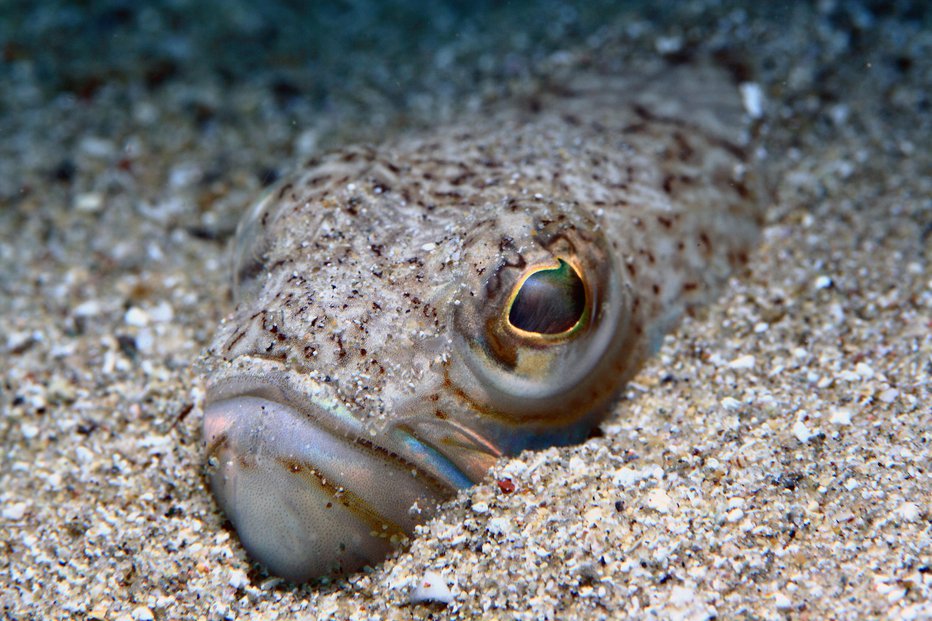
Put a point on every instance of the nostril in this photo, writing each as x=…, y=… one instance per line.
x=306, y=500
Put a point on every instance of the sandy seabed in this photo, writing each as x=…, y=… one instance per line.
x=773, y=461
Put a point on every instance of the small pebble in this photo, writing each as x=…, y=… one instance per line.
x=864, y=370
x=660, y=501
x=19, y=342
x=15, y=512
x=143, y=614
x=781, y=601
x=889, y=395
x=90, y=202
x=753, y=98
x=668, y=45
x=735, y=502
x=84, y=455
x=135, y=316
x=162, y=312
x=88, y=308
x=498, y=526
x=96, y=147
x=431, y=588
x=238, y=579
x=731, y=404
x=627, y=476
x=822, y=282
x=908, y=511
x=802, y=433
x=480, y=507
x=681, y=596
x=744, y=362
x=29, y=431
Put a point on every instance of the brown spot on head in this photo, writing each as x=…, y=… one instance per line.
x=686, y=151
x=282, y=192
x=317, y=180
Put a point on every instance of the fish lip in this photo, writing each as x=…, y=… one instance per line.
x=313, y=399
x=262, y=383
x=412, y=430
x=265, y=486
x=306, y=495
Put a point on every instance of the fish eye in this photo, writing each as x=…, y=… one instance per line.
x=540, y=334
x=549, y=301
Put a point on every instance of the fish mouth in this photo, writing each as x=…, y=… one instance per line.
x=308, y=489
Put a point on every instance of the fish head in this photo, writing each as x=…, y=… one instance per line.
x=382, y=356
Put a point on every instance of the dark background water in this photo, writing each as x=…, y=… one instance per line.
x=368, y=64
x=306, y=51
x=79, y=46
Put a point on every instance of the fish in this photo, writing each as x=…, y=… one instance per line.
x=408, y=313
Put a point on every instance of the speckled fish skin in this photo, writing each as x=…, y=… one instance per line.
x=371, y=367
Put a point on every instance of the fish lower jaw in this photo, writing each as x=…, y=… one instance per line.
x=306, y=501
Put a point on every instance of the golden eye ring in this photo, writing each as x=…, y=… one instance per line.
x=550, y=302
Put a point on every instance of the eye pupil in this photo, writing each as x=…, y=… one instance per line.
x=550, y=301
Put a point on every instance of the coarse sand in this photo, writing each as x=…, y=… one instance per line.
x=773, y=461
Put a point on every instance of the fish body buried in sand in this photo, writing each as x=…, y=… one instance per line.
x=408, y=314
